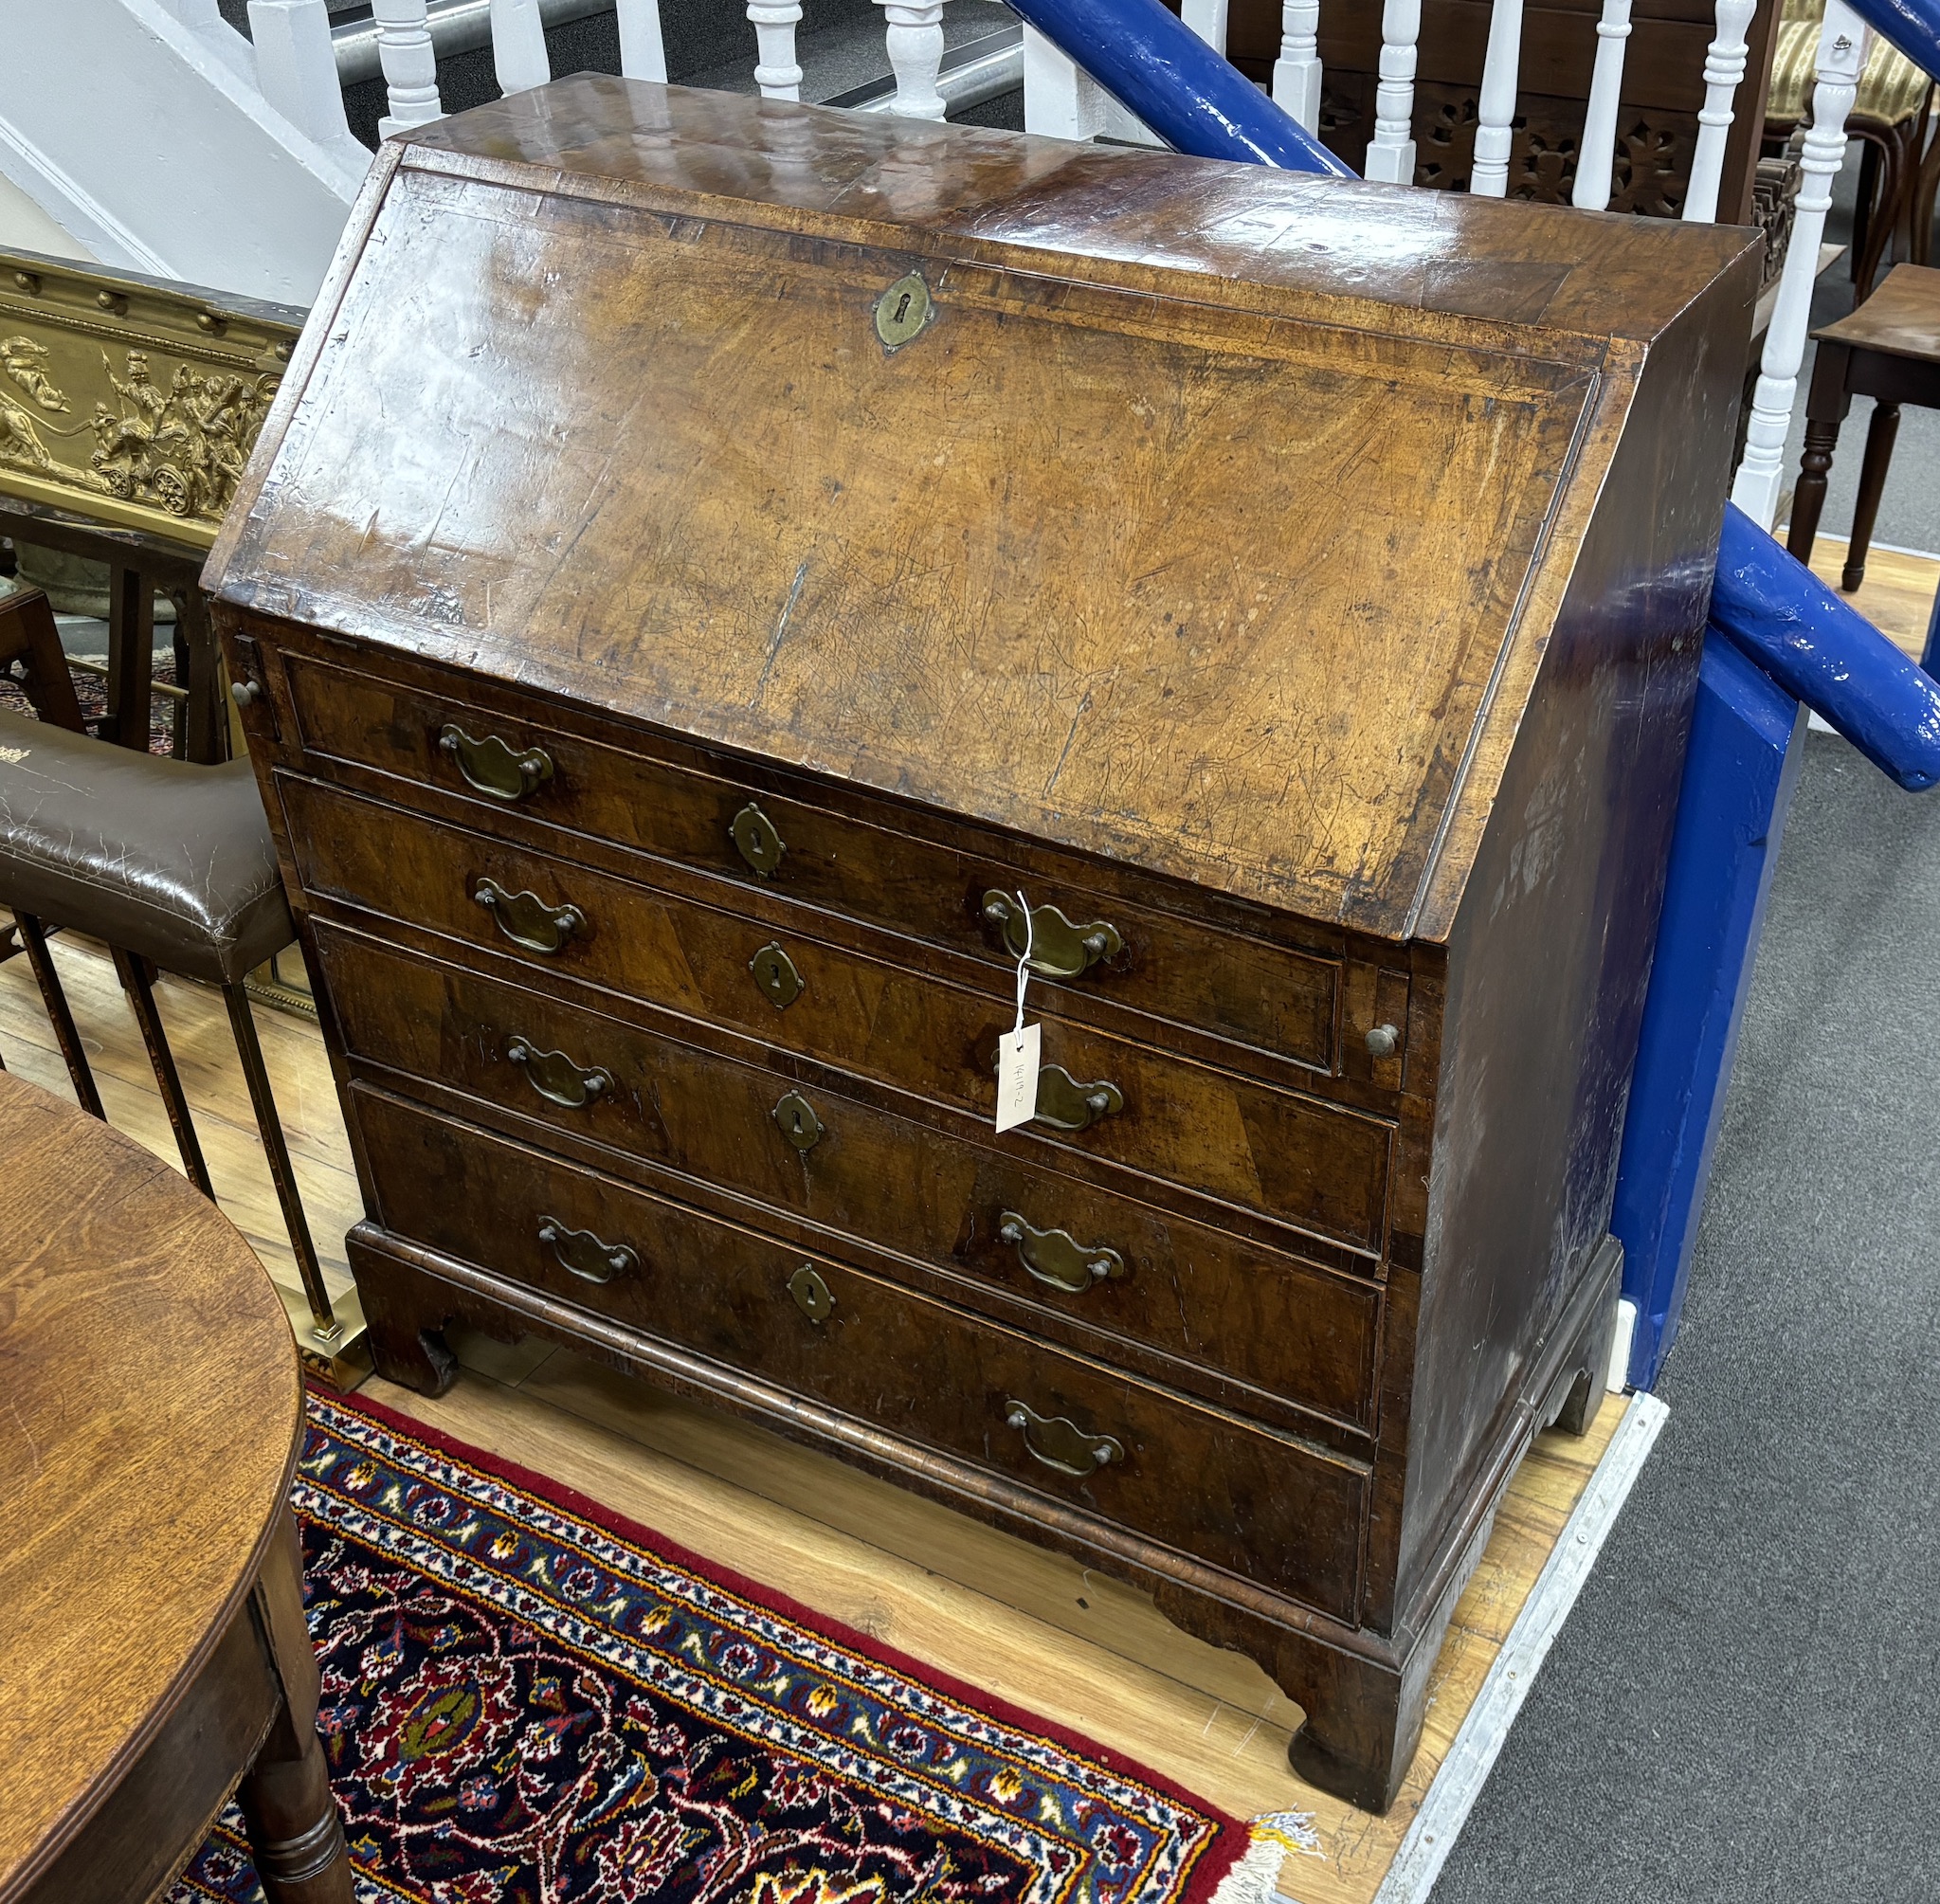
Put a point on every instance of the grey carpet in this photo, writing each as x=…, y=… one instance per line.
x=1741, y=1706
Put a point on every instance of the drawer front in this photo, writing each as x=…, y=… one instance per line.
x=1271, y=1509
x=1289, y=1158
x=1208, y=1300
x=1230, y=987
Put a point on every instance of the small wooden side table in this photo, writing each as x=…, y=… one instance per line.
x=154, y=1656
x=1889, y=349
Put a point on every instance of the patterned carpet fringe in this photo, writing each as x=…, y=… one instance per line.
x=527, y=1701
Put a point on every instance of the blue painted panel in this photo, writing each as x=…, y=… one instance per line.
x=1929, y=660
x=1154, y=66
x=1744, y=758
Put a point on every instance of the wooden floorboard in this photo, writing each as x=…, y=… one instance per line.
x=1029, y=1627
x=1898, y=595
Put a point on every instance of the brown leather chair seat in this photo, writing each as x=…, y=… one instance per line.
x=169, y=860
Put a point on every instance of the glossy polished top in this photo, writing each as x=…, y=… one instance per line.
x=1197, y=518
x=149, y=1431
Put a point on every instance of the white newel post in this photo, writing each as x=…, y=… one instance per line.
x=1208, y=18
x=1596, y=158
x=518, y=46
x=1297, y=72
x=410, y=65
x=1392, y=151
x=1495, y=110
x=1841, y=57
x=776, y=71
x=296, y=67
x=1724, y=68
x=1059, y=97
x=913, y=31
x=642, y=49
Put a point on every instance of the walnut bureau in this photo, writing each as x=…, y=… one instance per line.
x=715, y=564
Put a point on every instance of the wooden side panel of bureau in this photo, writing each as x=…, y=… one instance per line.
x=673, y=680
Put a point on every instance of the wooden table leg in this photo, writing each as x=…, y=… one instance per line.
x=295, y=1828
x=1827, y=407
x=131, y=657
x=1881, y=434
x=205, y=720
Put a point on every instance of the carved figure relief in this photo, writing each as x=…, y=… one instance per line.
x=179, y=449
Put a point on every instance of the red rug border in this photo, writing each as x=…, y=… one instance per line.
x=1213, y=1865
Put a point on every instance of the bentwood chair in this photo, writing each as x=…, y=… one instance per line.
x=173, y=866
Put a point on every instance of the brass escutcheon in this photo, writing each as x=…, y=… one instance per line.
x=903, y=310
x=1061, y=1444
x=1054, y=1256
x=812, y=1295
x=584, y=1254
x=494, y=767
x=1057, y=948
x=554, y=1076
x=799, y=1124
x=774, y=973
x=756, y=840
x=527, y=921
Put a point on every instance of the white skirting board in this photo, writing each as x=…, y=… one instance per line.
x=1465, y=1770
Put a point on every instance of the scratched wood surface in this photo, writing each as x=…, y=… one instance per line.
x=1031, y=1627
x=151, y=1405
x=992, y=568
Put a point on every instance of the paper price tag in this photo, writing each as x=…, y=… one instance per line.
x=1017, y=1075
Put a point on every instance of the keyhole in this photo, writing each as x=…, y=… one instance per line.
x=902, y=308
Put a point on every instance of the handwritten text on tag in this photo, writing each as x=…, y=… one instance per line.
x=1017, y=1075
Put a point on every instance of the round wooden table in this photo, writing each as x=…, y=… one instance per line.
x=154, y=1657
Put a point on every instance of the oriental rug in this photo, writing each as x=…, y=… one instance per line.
x=527, y=1700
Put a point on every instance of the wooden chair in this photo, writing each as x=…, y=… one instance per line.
x=172, y=865
x=1889, y=349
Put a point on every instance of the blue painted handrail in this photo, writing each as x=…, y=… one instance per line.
x=1913, y=25
x=1824, y=652
x=1156, y=66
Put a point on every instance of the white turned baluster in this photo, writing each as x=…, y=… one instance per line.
x=914, y=35
x=1841, y=57
x=410, y=65
x=518, y=46
x=1724, y=68
x=1596, y=158
x=296, y=67
x=642, y=50
x=775, y=69
x=1208, y=18
x=1391, y=151
x=1060, y=98
x=1495, y=110
x=1297, y=72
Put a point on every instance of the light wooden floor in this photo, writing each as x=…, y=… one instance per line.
x=1898, y=595
x=1032, y=1627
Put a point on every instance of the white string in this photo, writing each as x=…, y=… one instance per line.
x=1023, y=967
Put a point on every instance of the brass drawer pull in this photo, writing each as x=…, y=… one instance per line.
x=554, y=1076
x=1061, y=1444
x=1064, y=1104
x=1057, y=948
x=812, y=1293
x=584, y=1254
x=494, y=765
x=527, y=921
x=1054, y=1257
x=756, y=840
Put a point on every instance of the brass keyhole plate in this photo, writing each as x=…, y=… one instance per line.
x=774, y=973
x=756, y=840
x=902, y=311
x=799, y=1124
x=812, y=1295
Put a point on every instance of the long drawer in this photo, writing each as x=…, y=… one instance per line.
x=1258, y=1504
x=1288, y=1156
x=1309, y=1008
x=1101, y=1270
